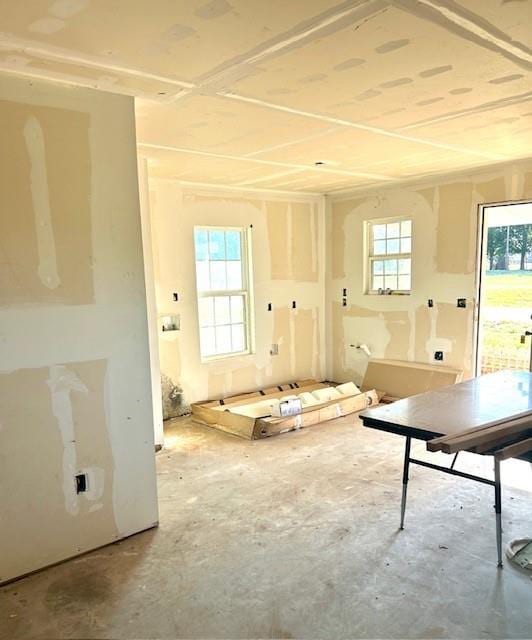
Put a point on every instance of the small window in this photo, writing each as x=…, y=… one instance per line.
x=390, y=256
x=223, y=286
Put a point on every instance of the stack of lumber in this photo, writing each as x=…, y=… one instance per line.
x=503, y=438
x=250, y=416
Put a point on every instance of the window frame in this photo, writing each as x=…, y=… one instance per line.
x=246, y=292
x=370, y=257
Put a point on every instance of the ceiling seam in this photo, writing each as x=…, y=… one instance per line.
x=274, y=163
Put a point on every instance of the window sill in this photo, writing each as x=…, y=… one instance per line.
x=388, y=295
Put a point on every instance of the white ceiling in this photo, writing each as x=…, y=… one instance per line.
x=253, y=93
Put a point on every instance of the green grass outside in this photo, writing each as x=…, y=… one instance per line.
x=508, y=289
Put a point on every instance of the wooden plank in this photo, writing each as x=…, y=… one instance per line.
x=491, y=434
x=513, y=450
x=433, y=445
x=401, y=379
x=337, y=408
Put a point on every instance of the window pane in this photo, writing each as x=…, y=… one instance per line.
x=378, y=282
x=390, y=282
x=234, y=274
x=406, y=228
x=379, y=231
x=404, y=283
x=392, y=230
x=404, y=266
x=217, y=245
x=237, y=337
x=202, y=276
x=390, y=267
x=392, y=246
x=221, y=310
x=378, y=267
x=232, y=244
x=379, y=247
x=223, y=339
x=207, y=341
x=206, y=312
x=406, y=245
x=201, y=244
x=237, y=308
x=217, y=272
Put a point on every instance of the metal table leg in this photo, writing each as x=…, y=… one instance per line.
x=498, y=510
x=405, y=479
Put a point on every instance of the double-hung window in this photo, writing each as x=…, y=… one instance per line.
x=224, y=289
x=390, y=256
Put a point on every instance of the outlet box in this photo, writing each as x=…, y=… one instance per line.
x=461, y=303
x=82, y=483
x=175, y=297
x=430, y=302
x=438, y=355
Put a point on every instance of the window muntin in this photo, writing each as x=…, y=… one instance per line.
x=222, y=281
x=390, y=256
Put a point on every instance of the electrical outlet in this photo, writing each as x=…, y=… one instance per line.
x=344, y=302
x=430, y=302
x=269, y=306
x=344, y=293
x=438, y=355
x=82, y=483
x=274, y=350
x=175, y=297
x=293, y=304
x=461, y=303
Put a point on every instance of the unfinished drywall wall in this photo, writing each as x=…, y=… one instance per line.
x=74, y=364
x=286, y=237
x=444, y=262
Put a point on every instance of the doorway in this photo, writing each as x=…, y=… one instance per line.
x=505, y=288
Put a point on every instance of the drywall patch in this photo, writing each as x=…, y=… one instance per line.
x=50, y=424
x=174, y=404
x=47, y=25
x=453, y=237
x=393, y=45
x=280, y=249
x=435, y=71
x=304, y=242
x=304, y=343
x=491, y=190
x=62, y=383
x=340, y=212
x=47, y=269
x=505, y=79
x=68, y=8
x=349, y=64
x=42, y=149
x=398, y=326
x=178, y=32
x=396, y=83
x=460, y=90
x=214, y=9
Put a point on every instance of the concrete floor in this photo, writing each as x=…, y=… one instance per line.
x=292, y=537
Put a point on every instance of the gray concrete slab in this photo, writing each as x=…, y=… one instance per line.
x=293, y=537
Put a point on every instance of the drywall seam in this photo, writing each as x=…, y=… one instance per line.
x=271, y=176
x=209, y=188
x=468, y=25
x=330, y=22
x=283, y=145
x=357, y=125
x=34, y=138
x=431, y=179
x=486, y=106
x=62, y=382
x=31, y=48
x=274, y=163
x=151, y=305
